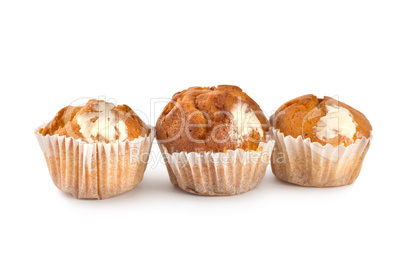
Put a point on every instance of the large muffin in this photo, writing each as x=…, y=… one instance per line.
x=319, y=142
x=213, y=119
x=213, y=140
x=96, y=151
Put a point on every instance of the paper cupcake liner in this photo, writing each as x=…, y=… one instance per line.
x=207, y=173
x=300, y=161
x=95, y=170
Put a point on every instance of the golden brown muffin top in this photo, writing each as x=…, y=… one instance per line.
x=211, y=119
x=324, y=120
x=97, y=121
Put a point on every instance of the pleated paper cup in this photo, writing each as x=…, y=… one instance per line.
x=207, y=173
x=95, y=170
x=302, y=162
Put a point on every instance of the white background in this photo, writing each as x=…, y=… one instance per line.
x=54, y=52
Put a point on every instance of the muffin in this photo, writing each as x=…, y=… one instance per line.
x=214, y=140
x=96, y=151
x=319, y=142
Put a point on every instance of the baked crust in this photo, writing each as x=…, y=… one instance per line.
x=65, y=122
x=200, y=119
x=299, y=117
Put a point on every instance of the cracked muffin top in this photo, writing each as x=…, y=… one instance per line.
x=324, y=120
x=213, y=119
x=97, y=121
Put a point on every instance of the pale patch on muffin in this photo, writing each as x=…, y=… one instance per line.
x=104, y=123
x=337, y=121
x=244, y=121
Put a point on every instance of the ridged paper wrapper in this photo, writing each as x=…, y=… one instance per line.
x=95, y=170
x=302, y=162
x=207, y=173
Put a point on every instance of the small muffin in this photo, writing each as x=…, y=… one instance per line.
x=214, y=140
x=96, y=151
x=319, y=142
